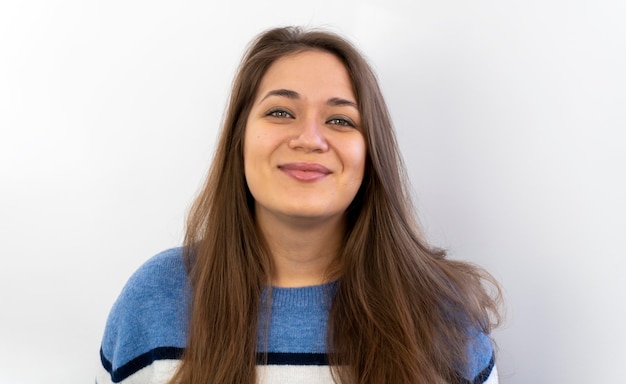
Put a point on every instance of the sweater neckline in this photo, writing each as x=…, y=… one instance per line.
x=314, y=295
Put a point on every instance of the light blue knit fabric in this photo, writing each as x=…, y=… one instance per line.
x=298, y=319
x=148, y=323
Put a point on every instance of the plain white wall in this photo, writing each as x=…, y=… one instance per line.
x=511, y=117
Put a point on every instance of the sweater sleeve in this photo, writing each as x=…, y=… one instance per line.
x=145, y=332
x=481, y=368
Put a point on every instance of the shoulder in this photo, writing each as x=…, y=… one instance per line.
x=148, y=320
x=481, y=367
x=153, y=289
x=158, y=275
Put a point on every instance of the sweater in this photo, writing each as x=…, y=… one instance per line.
x=146, y=333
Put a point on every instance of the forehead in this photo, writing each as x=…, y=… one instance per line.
x=313, y=73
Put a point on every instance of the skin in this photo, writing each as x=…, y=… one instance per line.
x=304, y=159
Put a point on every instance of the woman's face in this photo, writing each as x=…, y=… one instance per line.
x=304, y=153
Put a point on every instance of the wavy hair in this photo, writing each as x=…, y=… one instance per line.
x=402, y=312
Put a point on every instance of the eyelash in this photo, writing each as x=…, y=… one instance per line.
x=281, y=113
x=342, y=121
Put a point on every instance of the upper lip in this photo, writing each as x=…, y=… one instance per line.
x=307, y=167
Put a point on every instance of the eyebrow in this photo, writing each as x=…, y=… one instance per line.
x=334, y=101
x=282, y=92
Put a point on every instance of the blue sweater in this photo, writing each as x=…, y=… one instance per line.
x=146, y=331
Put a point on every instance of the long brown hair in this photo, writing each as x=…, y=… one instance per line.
x=402, y=312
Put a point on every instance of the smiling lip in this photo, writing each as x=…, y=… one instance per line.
x=305, y=171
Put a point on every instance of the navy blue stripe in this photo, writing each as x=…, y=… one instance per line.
x=105, y=362
x=282, y=358
x=139, y=362
x=483, y=375
x=273, y=358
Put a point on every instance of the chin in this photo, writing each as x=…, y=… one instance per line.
x=311, y=214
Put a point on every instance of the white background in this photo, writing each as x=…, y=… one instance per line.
x=510, y=114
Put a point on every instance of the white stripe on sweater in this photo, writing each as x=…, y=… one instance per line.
x=161, y=371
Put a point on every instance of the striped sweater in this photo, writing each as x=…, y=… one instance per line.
x=146, y=331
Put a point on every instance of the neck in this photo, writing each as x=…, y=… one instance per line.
x=302, y=249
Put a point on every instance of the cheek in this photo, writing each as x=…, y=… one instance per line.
x=356, y=153
x=249, y=145
x=251, y=172
x=252, y=141
x=257, y=156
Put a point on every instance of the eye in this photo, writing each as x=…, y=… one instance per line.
x=341, y=121
x=279, y=113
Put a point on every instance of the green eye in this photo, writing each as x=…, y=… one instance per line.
x=344, y=122
x=279, y=113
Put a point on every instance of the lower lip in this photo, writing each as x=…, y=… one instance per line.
x=304, y=175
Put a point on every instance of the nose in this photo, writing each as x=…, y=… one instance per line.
x=309, y=137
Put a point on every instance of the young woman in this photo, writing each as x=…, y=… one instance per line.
x=302, y=260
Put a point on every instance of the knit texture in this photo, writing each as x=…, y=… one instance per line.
x=146, y=331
